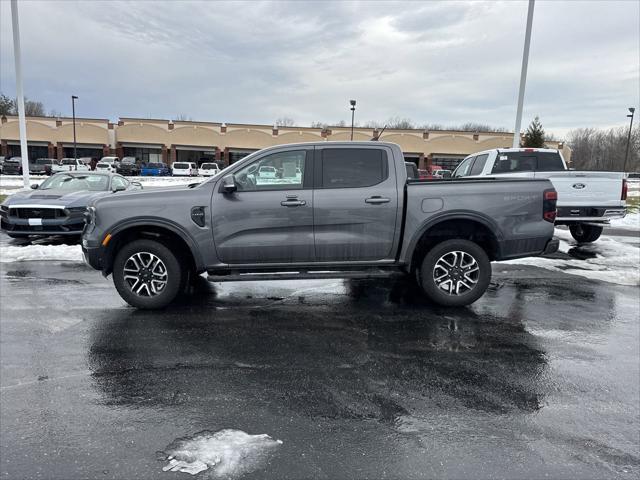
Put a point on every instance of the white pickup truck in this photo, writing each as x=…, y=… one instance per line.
x=586, y=200
x=70, y=165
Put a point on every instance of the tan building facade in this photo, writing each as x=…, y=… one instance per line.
x=167, y=141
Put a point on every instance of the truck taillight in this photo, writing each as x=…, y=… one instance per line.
x=549, y=199
x=625, y=189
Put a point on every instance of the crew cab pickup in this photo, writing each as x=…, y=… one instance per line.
x=70, y=165
x=587, y=201
x=336, y=210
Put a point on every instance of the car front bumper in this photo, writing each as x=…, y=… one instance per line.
x=37, y=226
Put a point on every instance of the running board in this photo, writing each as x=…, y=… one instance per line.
x=318, y=275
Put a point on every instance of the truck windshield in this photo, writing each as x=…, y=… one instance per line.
x=528, y=162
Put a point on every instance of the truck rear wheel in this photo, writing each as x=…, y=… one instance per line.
x=455, y=273
x=585, y=233
x=147, y=274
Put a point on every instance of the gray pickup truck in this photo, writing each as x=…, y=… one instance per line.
x=319, y=210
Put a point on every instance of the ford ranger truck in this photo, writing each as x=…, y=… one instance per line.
x=334, y=210
x=587, y=201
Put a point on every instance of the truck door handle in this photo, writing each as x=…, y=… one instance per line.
x=293, y=203
x=377, y=199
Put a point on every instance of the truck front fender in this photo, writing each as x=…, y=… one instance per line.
x=149, y=227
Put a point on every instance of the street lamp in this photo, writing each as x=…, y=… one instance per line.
x=353, y=111
x=626, y=155
x=73, y=108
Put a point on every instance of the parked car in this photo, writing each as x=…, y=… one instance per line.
x=88, y=161
x=129, y=166
x=441, y=173
x=267, y=171
x=12, y=166
x=69, y=165
x=208, y=169
x=42, y=166
x=155, y=170
x=1, y=163
x=112, y=164
x=351, y=214
x=57, y=206
x=586, y=200
x=184, y=169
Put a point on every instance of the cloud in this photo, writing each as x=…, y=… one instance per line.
x=442, y=62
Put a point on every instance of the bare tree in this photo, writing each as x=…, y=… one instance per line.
x=319, y=124
x=595, y=149
x=285, y=122
x=183, y=118
x=7, y=107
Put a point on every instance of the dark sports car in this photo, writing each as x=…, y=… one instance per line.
x=57, y=206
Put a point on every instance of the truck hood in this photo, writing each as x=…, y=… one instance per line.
x=54, y=197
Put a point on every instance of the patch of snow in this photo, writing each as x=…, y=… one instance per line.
x=228, y=453
x=630, y=222
x=62, y=253
x=613, y=261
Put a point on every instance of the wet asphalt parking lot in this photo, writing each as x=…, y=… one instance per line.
x=358, y=379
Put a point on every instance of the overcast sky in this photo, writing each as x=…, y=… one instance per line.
x=253, y=62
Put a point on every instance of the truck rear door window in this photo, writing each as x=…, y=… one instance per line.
x=353, y=167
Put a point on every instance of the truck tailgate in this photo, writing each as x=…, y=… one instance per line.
x=586, y=189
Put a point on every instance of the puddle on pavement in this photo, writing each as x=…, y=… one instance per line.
x=226, y=453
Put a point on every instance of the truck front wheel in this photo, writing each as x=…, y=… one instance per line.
x=585, y=233
x=455, y=273
x=147, y=274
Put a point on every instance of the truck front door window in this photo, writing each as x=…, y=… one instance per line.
x=278, y=171
x=478, y=165
x=463, y=168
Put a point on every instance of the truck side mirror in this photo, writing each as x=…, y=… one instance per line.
x=229, y=184
x=35, y=186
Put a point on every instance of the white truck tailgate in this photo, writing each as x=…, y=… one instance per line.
x=586, y=189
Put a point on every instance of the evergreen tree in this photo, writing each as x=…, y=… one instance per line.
x=534, y=137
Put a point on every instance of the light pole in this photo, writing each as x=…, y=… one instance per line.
x=626, y=155
x=523, y=74
x=22, y=122
x=353, y=112
x=73, y=109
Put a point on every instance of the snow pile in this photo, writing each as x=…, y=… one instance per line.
x=613, y=261
x=62, y=253
x=228, y=453
x=630, y=222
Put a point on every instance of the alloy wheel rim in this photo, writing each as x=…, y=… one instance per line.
x=456, y=273
x=145, y=274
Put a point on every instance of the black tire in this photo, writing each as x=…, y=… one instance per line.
x=174, y=274
x=463, y=278
x=585, y=233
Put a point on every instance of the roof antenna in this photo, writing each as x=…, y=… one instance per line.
x=376, y=138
